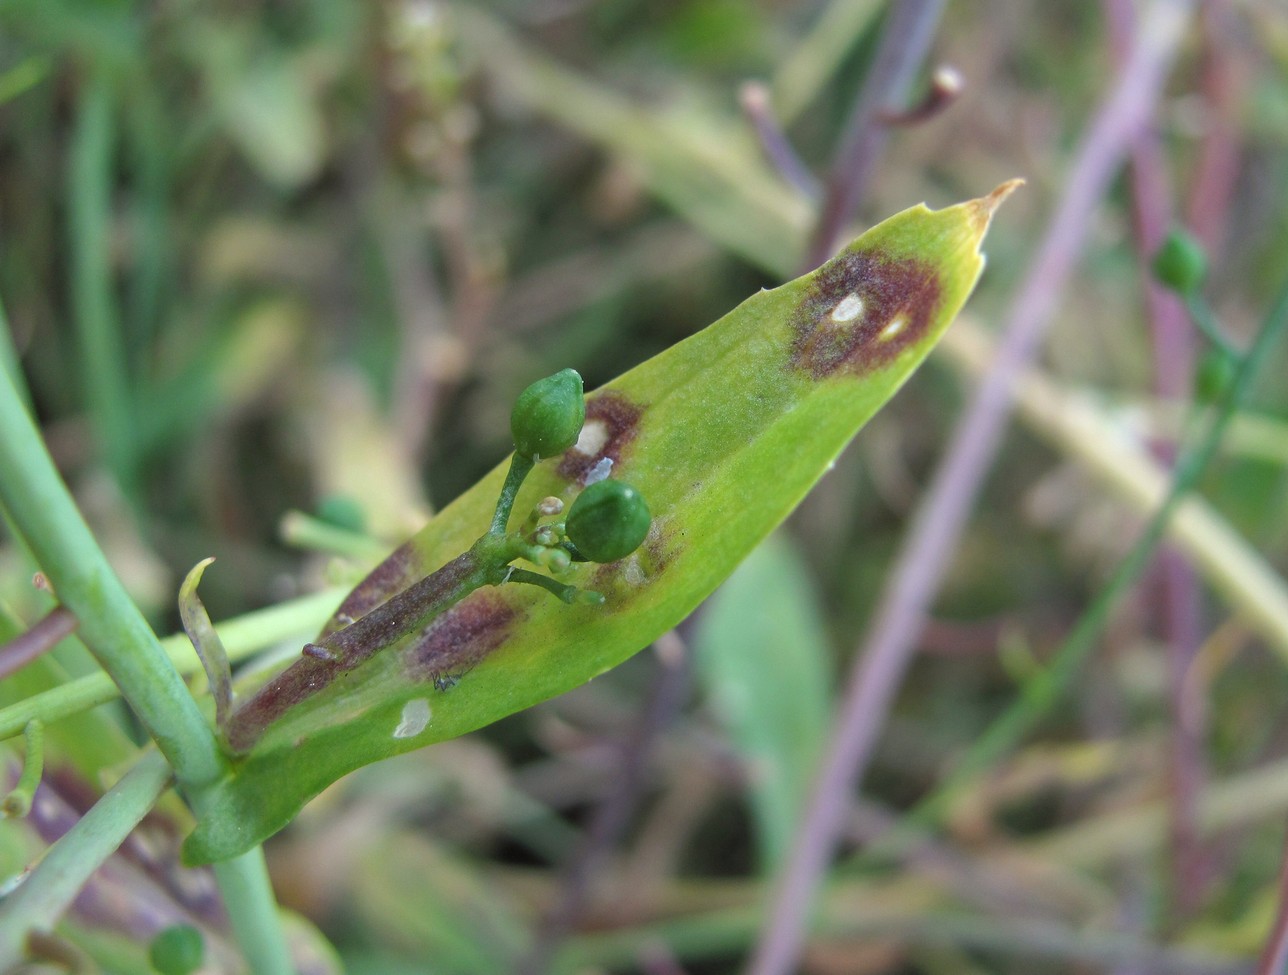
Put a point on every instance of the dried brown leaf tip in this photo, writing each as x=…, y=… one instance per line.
x=984, y=208
x=861, y=311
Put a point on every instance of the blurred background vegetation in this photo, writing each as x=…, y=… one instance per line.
x=299, y=255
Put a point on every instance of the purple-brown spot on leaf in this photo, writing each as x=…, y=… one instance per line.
x=389, y=577
x=457, y=640
x=611, y=424
x=861, y=311
x=341, y=651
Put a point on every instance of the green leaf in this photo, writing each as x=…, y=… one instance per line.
x=763, y=658
x=723, y=434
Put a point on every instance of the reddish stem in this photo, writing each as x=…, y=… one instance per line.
x=40, y=639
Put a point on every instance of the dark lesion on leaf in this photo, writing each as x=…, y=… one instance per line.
x=658, y=550
x=390, y=576
x=861, y=311
x=612, y=421
x=338, y=652
x=458, y=640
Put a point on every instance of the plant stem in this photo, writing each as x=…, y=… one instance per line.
x=110, y=623
x=115, y=632
x=248, y=897
x=98, y=331
x=42, y=898
x=520, y=467
x=39, y=639
x=17, y=803
x=905, y=39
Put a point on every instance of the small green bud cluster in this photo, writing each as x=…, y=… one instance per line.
x=606, y=522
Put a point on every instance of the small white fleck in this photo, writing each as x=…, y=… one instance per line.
x=848, y=308
x=415, y=717
x=592, y=439
x=509, y=571
x=894, y=328
x=603, y=467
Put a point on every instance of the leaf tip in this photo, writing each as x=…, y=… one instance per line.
x=982, y=210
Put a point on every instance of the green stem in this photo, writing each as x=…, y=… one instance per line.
x=566, y=593
x=1201, y=314
x=110, y=624
x=248, y=898
x=1041, y=693
x=42, y=898
x=98, y=330
x=116, y=633
x=307, y=532
x=17, y=803
x=519, y=469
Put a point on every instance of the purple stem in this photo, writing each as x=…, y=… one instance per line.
x=613, y=815
x=754, y=99
x=1173, y=341
x=888, y=650
x=1274, y=957
x=910, y=26
x=40, y=639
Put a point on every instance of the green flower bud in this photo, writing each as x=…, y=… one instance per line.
x=178, y=950
x=548, y=415
x=1180, y=263
x=1213, y=375
x=608, y=521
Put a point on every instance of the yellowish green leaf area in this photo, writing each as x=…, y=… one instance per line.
x=723, y=434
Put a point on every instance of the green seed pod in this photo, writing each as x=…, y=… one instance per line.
x=548, y=415
x=1180, y=263
x=178, y=950
x=608, y=521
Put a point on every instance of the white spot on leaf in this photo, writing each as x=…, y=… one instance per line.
x=633, y=572
x=592, y=439
x=415, y=718
x=896, y=326
x=848, y=308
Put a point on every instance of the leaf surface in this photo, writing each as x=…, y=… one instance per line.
x=723, y=434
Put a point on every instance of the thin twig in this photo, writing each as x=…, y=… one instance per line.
x=945, y=85
x=58, y=623
x=904, y=43
x=613, y=815
x=887, y=651
x=753, y=96
x=1274, y=956
x=1216, y=174
x=1173, y=342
